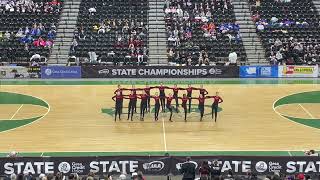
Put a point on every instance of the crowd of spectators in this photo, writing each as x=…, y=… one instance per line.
x=196, y=30
x=289, y=30
x=113, y=38
x=27, y=26
x=29, y=6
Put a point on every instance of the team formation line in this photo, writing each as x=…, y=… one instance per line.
x=162, y=100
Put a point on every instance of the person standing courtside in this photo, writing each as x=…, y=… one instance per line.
x=188, y=170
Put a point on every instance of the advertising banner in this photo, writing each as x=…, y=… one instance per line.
x=48, y=72
x=298, y=71
x=258, y=71
x=160, y=72
x=19, y=72
x=156, y=165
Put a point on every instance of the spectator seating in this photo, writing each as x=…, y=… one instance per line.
x=289, y=30
x=27, y=27
x=112, y=31
x=202, y=31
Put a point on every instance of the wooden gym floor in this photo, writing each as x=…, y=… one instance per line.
x=74, y=121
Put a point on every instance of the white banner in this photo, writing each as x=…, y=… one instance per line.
x=298, y=71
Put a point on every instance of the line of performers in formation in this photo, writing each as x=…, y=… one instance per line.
x=163, y=101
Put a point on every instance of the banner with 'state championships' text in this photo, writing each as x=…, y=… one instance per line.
x=158, y=165
x=19, y=72
x=160, y=72
x=298, y=71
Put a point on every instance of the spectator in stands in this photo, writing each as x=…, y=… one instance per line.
x=92, y=10
x=204, y=171
x=7, y=35
x=188, y=169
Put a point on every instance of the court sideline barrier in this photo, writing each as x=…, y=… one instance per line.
x=287, y=71
x=160, y=72
x=157, y=165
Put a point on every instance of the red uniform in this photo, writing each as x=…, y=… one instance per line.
x=169, y=99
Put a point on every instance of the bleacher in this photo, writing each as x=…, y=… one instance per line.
x=289, y=30
x=27, y=28
x=112, y=32
x=202, y=32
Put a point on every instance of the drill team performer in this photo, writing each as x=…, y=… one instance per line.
x=169, y=100
x=156, y=106
x=184, y=100
x=132, y=97
x=175, y=90
x=216, y=101
x=118, y=98
x=143, y=104
x=162, y=93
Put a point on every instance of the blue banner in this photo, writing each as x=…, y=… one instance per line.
x=48, y=72
x=258, y=71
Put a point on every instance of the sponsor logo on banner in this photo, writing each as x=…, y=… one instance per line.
x=159, y=71
x=64, y=167
x=19, y=72
x=179, y=165
x=261, y=166
x=60, y=72
x=153, y=166
x=274, y=167
x=298, y=71
x=266, y=71
x=258, y=71
x=251, y=70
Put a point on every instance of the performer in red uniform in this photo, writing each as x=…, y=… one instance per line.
x=184, y=100
x=202, y=91
x=132, y=97
x=215, y=105
x=156, y=106
x=143, y=104
x=175, y=90
x=162, y=93
x=120, y=90
x=189, y=94
x=169, y=106
x=201, y=100
x=147, y=90
x=118, y=98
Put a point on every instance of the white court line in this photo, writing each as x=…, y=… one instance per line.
x=164, y=134
x=307, y=111
x=16, y=112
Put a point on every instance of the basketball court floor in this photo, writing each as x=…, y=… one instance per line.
x=77, y=116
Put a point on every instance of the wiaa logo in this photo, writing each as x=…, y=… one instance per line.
x=64, y=167
x=179, y=165
x=153, y=166
x=261, y=166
